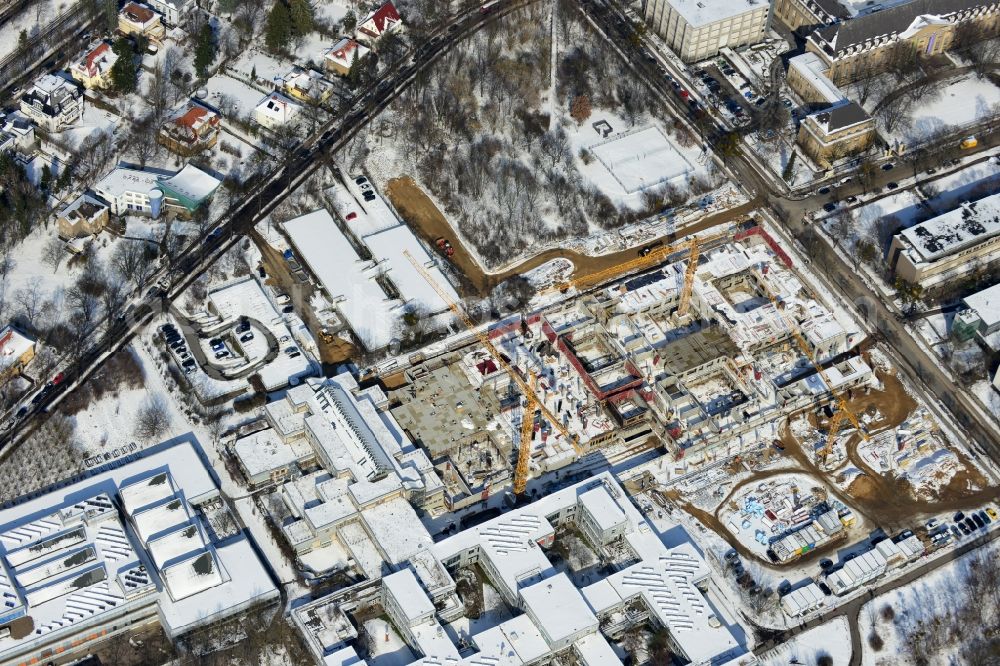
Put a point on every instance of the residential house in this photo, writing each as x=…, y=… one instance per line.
x=840, y=131
x=698, y=29
x=85, y=216
x=93, y=70
x=16, y=135
x=16, y=351
x=192, y=131
x=306, y=85
x=383, y=20
x=137, y=19
x=340, y=58
x=53, y=103
x=172, y=11
x=275, y=110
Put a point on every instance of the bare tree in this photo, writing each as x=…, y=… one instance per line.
x=153, y=418
x=53, y=252
x=31, y=302
x=893, y=113
x=132, y=260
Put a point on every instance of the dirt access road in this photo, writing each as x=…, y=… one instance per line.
x=427, y=221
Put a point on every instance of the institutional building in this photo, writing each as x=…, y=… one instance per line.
x=652, y=584
x=149, y=541
x=698, y=29
x=864, y=43
x=948, y=246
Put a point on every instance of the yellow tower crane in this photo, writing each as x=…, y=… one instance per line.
x=656, y=256
x=527, y=391
x=843, y=411
x=692, y=266
x=524, y=446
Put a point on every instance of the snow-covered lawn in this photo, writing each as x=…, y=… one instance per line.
x=933, y=596
x=331, y=10
x=244, y=98
x=94, y=120
x=832, y=638
x=962, y=102
x=32, y=19
x=632, y=159
x=386, y=647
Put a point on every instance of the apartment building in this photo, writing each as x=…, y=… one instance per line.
x=698, y=29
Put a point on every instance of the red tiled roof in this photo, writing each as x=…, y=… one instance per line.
x=385, y=13
x=95, y=54
x=138, y=12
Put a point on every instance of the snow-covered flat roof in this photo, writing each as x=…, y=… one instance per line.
x=986, y=303
x=409, y=596
x=557, y=606
x=594, y=650
x=604, y=510
x=263, y=452
x=192, y=182
x=388, y=247
x=518, y=634
x=191, y=576
x=169, y=513
x=396, y=527
x=348, y=280
x=811, y=68
x=122, y=179
x=704, y=12
x=146, y=492
x=969, y=224
x=802, y=600
x=184, y=540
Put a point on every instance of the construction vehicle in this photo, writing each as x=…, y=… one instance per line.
x=526, y=388
x=444, y=245
x=692, y=266
x=524, y=445
x=649, y=256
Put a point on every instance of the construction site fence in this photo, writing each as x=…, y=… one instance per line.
x=766, y=237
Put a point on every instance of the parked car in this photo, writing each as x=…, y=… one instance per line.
x=829, y=206
x=189, y=363
x=891, y=185
x=826, y=564
x=360, y=179
x=222, y=354
x=985, y=518
x=932, y=524
x=978, y=520
x=824, y=588
x=288, y=309
x=21, y=413
x=971, y=524
x=992, y=513
x=246, y=337
x=243, y=326
x=888, y=166
x=959, y=517
x=851, y=199
x=281, y=298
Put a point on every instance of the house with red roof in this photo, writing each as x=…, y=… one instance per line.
x=191, y=131
x=340, y=58
x=93, y=70
x=379, y=22
x=138, y=19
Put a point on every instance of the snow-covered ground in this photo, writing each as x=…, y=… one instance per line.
x=832, y=638
x=631, y=159
x=32, y=19
x=932, y=596
x=962, y=102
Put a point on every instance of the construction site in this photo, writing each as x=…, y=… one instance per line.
x=700, y=358
x=715, y=370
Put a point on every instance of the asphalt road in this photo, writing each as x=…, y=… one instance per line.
x=852, y=608
x=267, y=194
